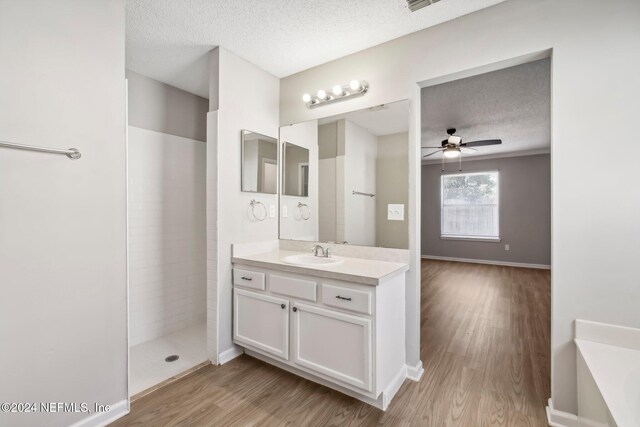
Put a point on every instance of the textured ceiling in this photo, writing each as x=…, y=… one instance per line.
x=512, y=104
x=168, y=40
x=385, y=120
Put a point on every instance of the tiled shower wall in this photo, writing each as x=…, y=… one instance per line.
x=167, y=232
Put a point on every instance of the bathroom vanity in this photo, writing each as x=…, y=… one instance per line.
x=336, y=321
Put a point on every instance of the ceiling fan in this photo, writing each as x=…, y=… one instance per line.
x=453, y=146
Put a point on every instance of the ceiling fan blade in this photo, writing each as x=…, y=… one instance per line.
x=467, y=150
x=430, y=154
x=432, y=147
x=481, y=143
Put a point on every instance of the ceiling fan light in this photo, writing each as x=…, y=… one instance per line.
x=451, y=153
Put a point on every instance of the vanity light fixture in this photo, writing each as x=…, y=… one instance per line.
x=338, y=93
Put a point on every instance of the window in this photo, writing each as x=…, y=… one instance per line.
x=470, y=206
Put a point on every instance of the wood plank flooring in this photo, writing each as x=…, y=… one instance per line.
x=485, y=348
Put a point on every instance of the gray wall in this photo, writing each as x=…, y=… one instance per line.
x=63, y=309
x=392, y=186
x=157, y=106
x=525, y=211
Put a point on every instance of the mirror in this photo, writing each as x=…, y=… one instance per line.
x=295, y=180
x=357, y=178
x=259, y=163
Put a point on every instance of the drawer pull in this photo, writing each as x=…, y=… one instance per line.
x=283, y=306
x=295, y=308
x=343, y=298
x=247, y=278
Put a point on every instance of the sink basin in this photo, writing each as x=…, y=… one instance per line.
x=310, y=260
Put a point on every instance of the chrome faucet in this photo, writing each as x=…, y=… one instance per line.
x=324, y=253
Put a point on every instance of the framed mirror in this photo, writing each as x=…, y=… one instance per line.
x=259, y=163
x=295, y=173
x=358, y=178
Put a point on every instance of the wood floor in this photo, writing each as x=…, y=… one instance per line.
x=485, y=349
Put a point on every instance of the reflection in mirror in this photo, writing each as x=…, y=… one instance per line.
x=259, y=163
x=295, y=180
x=361, y=193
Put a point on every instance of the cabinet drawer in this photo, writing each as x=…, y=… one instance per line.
x=346, y=298
x=297, y=288
x=248, y=279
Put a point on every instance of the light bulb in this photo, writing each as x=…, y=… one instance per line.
x=451, y=152
x=322, y=94
x=337, y=90
x=306, y=97
x=354, y=85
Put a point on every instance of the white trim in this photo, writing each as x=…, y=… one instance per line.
x=557, y=418
x=488, y=261
x=472, y=238
x=393, y=387
x=99, y=419
x=414, y=373
x=230, y=354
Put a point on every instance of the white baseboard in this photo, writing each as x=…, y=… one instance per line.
x=487, y=261
x=393, y=387
x=99, y=419
x=414, y=373
x=230, y=354
x=557, y=418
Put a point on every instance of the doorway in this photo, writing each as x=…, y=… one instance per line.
x=486, y=239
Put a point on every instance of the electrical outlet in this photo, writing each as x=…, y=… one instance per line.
x=506, y=247
x=284, y=211
x=272, y=211
x=395, y=212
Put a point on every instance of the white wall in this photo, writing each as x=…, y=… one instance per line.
x=595, y=94
x=167, y=254
x=294, y=226
x=360, y=153
x=242, y=97
x=63, y=309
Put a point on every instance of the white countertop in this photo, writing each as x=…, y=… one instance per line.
x=357, y=270
x=616, y=371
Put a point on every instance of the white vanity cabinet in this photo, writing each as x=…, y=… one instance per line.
x=345, y=335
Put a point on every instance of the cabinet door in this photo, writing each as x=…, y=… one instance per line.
x=334, y=344
x=261, y=321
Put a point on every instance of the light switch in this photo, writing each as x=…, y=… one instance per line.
x=395, y=212
x=284, y=211
x=272, y=211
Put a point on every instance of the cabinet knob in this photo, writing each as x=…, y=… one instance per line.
x=283, y=306
x=295, y=309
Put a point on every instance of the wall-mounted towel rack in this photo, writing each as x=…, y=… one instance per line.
x=262, y=210
x=71, y=153
x=360, y=193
